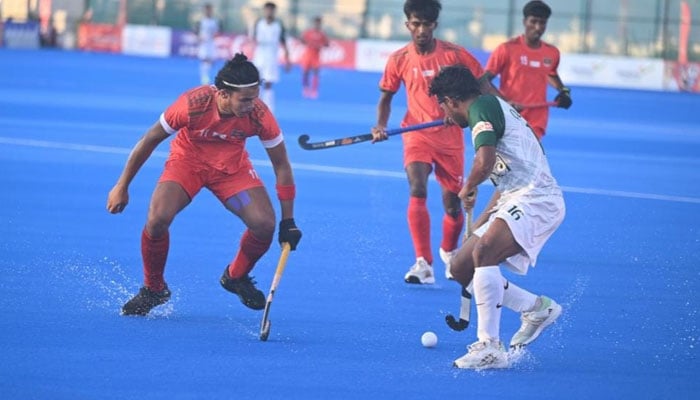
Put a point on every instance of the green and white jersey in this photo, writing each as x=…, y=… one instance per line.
x=521, y=165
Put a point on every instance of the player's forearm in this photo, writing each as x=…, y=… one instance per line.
x=383, y=113
x=138, y=156
x=481, y=169
x=484, y=216
x=285, y=183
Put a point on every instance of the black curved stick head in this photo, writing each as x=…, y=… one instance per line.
x=303, y=139
x=265, y=331
x=456, y=325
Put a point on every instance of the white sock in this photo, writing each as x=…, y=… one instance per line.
x=268, y=97
x=488, y=294
x=517, y=298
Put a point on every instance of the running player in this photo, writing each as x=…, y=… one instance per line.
x=268, y=35
x=525, y=65
x=526, y=208
x=314, y=39
x=441, y=148
x=207, y=28
x=210, y=124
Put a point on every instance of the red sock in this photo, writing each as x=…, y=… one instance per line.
x=451, y=231
x=314, y=83
x=154, y=252
x=249, y=253
x=419, y=226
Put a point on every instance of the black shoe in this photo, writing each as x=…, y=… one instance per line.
x=145, y=301
x=245, y=288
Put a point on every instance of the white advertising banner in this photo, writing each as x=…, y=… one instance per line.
x=146, y=40
x=371, y=55
x=612, y=72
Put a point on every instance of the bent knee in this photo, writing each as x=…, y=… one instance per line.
x=263, y=228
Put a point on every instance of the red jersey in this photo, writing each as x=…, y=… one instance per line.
x=416, y=71
x=214, y=139
x=524, y=73
x=314, y=40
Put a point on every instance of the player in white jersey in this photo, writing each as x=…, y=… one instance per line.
x=268, y=34
x=526, y=208
x=206, y=30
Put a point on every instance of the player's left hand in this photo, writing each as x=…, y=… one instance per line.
x=563, y=99
x=289, y=233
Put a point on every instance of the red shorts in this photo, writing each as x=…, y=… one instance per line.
x=310, y=61
x=194, y=175
x=448, y=164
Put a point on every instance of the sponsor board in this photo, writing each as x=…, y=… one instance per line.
x=100, y=37
x=21, y=35
x=371, y=55
x=339, y=54
x=612, y=71
x=146, y=40
x=684, y=77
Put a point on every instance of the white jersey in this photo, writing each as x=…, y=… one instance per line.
x=531, y=202
x=207, y=29
x=267, y=37
x=521, y=165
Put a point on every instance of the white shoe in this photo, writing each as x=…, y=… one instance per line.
x=484, y=355
x=420, y=272
x=446, y=257
x=534, y=322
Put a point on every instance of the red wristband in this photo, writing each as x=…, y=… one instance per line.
x=286, y=192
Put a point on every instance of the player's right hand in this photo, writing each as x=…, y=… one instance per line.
x=468, y=197
x=563, y=99
x=289, y=233
x=117, y=199
x=379, y=134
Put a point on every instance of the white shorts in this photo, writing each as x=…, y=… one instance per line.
x=267, y=65
x=206, y=51
x=532, y=219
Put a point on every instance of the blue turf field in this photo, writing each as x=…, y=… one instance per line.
x=625, y=263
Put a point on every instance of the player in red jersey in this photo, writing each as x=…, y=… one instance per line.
x=210, y=125
x=526, y=64
x=440, y=149
x=314, y=39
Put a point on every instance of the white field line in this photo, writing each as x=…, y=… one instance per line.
x=331, y=169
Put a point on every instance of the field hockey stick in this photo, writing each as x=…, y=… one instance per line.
x=265, y=324
x=327, y=144
x=465, y=311
x=470, y=223
x=539, y=105
x=465, y=308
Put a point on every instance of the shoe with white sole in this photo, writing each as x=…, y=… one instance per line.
x=420, y=273
x=484, y=355
x=446, y=257
x=534, y=322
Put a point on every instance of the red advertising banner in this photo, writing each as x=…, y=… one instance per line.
x=100, y=37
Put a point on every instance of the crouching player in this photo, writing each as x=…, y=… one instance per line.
x=210, y=125
x=526, y=208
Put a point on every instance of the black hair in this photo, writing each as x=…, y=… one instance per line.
x=456, y=82
x=537, y=8
x=236, y=73
x=270, y=4
x=423, y=9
